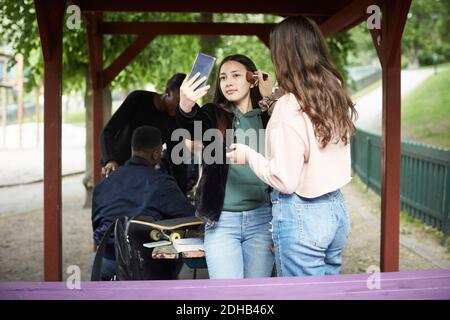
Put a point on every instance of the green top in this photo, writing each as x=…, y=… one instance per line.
x=244, y=190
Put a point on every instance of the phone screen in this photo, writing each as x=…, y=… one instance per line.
x=203, y=64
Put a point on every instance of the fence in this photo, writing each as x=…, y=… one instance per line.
x=424, y=177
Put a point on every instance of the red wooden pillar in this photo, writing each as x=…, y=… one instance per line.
x=4, y=97
x=19, y=84
x=390, y=166
x=394, y=18
x=95, y=44
x=49, y=15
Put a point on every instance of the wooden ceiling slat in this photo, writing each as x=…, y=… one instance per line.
x=205, y=28
x=281, y=7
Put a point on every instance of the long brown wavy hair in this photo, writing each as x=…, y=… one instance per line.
x=303, y=66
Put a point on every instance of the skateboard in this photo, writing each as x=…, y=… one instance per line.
x=172, y=229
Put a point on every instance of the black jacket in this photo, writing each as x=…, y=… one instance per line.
x=210, y=194
x=136, y=188
x=136, y=110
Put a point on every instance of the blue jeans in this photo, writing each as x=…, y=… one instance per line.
x=309, y=234
x=237, y=246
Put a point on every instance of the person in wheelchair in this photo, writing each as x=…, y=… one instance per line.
x=138, y=188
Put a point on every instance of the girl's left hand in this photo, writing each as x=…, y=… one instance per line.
x=239, y=153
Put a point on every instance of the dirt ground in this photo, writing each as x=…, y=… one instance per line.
x=21, y=248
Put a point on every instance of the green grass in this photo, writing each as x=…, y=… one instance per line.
x=426, y=111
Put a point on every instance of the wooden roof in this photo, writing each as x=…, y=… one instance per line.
x=332, y=16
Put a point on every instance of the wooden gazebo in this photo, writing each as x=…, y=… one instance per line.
x=332, y=17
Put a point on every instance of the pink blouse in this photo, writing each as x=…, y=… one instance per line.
x=294, y=161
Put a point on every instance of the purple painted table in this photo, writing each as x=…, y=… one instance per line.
x=433, y=284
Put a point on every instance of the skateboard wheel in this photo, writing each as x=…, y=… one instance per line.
x=155, y=235
x=174, y=236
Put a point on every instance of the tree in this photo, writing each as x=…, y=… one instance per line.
x=426, y=32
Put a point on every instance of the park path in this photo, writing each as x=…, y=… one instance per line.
x=25, y=164
x=369, y=106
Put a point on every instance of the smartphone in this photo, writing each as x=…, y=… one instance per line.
x=203, y=64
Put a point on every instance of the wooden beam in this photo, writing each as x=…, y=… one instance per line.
x=377, y=43
x=281, y=7
x=50, y=15
x=394, y=19
x=172, y=28
x=125, y=58
x=265, y=38
x=349, y=16
x=44, y=29
x=95, y=48
x=396, y=25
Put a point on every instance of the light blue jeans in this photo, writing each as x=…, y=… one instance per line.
x=237, y=246
x=309, y=234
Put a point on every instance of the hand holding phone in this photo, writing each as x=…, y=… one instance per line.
x=194, y=86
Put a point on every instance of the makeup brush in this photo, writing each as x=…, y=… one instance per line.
x=252, y=77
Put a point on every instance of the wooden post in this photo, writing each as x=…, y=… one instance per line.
x=49, y=15
x=390, y=166
x=369, y=149
x=4, y=98
x=19, y=83
x=37, y=91
x=95, y=44
x=394, y=18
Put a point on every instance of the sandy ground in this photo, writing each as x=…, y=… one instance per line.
x=21, y=248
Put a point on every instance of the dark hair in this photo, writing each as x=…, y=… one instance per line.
x=303, y=67
x=174, y=83
x=145, y=138
x=219, y=99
